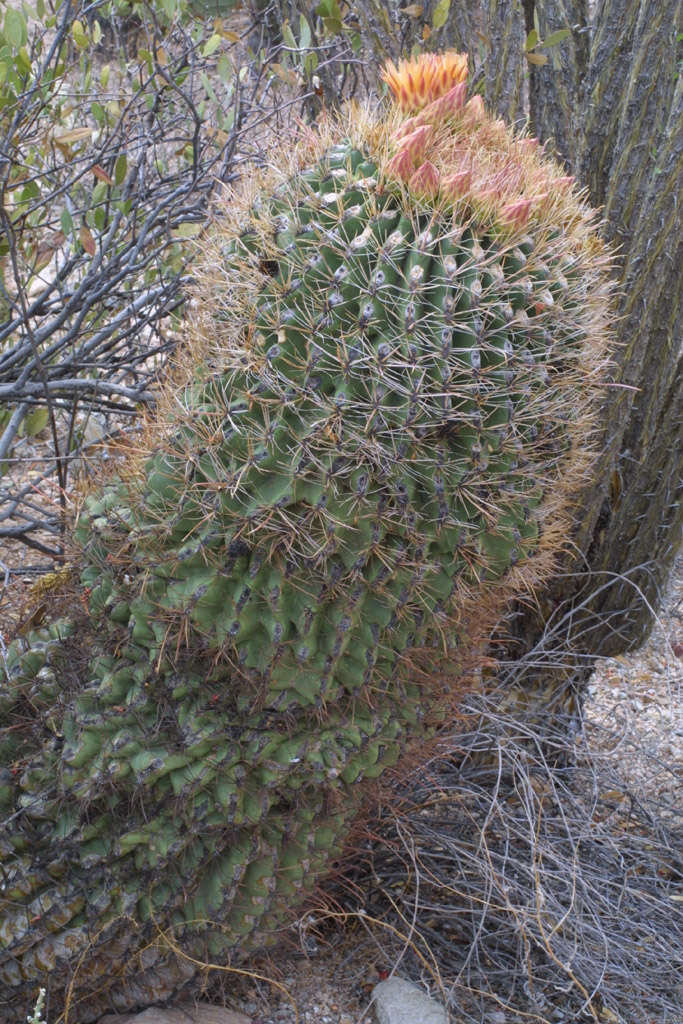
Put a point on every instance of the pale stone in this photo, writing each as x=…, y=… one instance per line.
x=398, y=1001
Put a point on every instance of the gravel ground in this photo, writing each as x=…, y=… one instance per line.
x=635, y=713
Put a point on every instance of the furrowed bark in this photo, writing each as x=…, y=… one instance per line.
x=642, y=513
x=640, y=119
x=459, y=32
x=556, y=88
x=504, y=68
x=631, y=158
x=628, y=42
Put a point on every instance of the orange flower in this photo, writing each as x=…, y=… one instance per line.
x=421, y=80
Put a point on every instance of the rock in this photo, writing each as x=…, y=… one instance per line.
x=189, y=1013
x=398, y=1001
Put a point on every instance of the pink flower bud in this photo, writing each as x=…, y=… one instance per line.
x=416, y=142
x=517, y=213
x=448, y=104
x=425, y=180
x=474, y=108
x=406, y=127
x=401, y=165
x=456, y=185
x=486, y=194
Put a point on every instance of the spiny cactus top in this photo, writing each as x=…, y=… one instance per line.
x=397, y=344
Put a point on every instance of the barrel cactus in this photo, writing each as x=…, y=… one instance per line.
x=396, y=349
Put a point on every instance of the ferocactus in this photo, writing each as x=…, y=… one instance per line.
x=395, y=358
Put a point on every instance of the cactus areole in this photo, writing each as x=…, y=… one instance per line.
x=397, y=348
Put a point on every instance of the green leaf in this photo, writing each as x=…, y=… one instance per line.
x=80, y=35
x=66, y=222
x=224, y=67
x=288, y=36
x=440, y=16
x=226, y=121
x=99, y=193
x=187, y=230
x=557, y=37
x=23, y=61
x=532, y=39
x=211, y=45
x=29, y=191
x=145, y=55
x=304, y=33
x=35, y=422
x=104, y=76
x=209, y=88
x=97, y=112
x=331, y=16
x=120, y=168
x=16, y=30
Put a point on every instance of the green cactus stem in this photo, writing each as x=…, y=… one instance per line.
x=394, y=360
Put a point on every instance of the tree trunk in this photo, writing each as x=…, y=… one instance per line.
x=504, y=60
x=619, y=124
x=556, y=89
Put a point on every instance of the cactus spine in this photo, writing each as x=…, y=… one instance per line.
x=400, y=339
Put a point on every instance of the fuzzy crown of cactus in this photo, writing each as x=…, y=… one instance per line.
x=395, y=354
